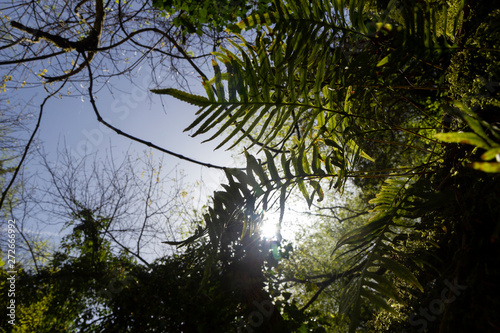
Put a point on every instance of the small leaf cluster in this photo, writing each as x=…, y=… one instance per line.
x=194, y=15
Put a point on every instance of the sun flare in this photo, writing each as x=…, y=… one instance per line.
x=269, y=229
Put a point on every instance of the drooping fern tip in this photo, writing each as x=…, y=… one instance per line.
x=183, y=96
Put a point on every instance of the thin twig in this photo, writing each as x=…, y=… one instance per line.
x=26, y=149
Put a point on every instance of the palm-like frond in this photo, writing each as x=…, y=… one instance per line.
x=304, y=89
x=371, y=246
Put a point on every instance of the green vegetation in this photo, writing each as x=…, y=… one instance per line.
x=365, y=95
x=193, y=16
x=384, y=118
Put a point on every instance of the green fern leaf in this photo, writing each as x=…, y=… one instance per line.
x=183, y=96
x=401, y=271
x=467, y=138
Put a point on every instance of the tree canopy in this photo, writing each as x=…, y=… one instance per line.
x=381, y=116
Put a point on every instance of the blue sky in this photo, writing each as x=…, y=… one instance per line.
x=158, y=119
x=69, y=122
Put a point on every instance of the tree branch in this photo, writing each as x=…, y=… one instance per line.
x=136, y=139
x=26, y=149
x=88, y=44
x=19, y=61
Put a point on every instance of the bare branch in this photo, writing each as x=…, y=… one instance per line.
x=26, y=149
x=133, y=138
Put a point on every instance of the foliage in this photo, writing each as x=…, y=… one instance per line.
x=325, y=96
x=316, y=125
x=218, y=14
x=64, y=291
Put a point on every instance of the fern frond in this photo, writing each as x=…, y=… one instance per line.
x=184, y=96
x=372, y=242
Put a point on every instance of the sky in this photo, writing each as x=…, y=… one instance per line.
x=158, y=119
x=70, y=122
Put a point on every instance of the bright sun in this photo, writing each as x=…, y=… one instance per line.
x=269, y=228
x=293, y=221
